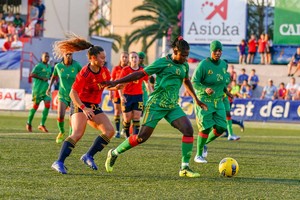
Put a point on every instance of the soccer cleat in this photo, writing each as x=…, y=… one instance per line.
x=110, y=161
x=117, y=135
x=60, y=138
x=233, y=137
x=42, y=128
x=89, y=161
x=242, y=126
x=204, y=151
x=186, y=171
x=28, y=127
x=59, y=167
x=199, y=159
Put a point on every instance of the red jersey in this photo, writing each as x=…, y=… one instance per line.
x=134, y=87
x=88, y=84
x=261, y=46
x=115, y=74
x=252, y=46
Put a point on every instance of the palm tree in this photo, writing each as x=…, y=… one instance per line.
x=163, y=19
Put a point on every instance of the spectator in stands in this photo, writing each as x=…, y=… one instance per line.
x=251, y=49
x=243, y=93
x=270, y=91
x=10, y=17
x=11, y=30
x=269, y=49
x=41, y=13
x=3, y=28
x=294, y=62
x=253, y=79
x=282, y=92
x=2, y=16
x=19, y=24
x=16, y=44
x=243, y=76
x=241, y=49
x=292, y=89
x=7, y=44
x=32, y=20
x=232, y=73
x=235, y=88
x=262, y=48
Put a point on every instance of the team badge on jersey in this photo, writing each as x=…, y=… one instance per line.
x=210, y=72
x=62, y=70
x=104, y=76
x=178, y=72
x=73, y=70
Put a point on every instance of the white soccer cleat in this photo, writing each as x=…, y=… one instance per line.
x=199, y=159
x=233, y=137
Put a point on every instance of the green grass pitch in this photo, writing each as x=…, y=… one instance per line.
x=268, y=155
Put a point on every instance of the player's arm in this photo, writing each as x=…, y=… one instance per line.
x=76, y=100
x=131, y=77
x=33, y=75
x=189, y=87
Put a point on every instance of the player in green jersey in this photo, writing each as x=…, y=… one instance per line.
x=171, y=71
x=41, y=74
x=209, y=81
x=66, y=71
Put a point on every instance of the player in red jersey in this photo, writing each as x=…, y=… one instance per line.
x=132, y=95
x=86, y=95
x=114, y=95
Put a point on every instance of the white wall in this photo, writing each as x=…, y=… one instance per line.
x=66, y=16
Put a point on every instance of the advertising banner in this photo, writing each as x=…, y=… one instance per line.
x=12, y=99
x=287, y=22
x=223, y=20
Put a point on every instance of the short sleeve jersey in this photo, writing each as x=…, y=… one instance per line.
x=39, y=86
x=209, y=74
x=169, y=77
x=252, y=46
x=66, y=75
x=115, y=74
x=134, y=87
x=88, y=84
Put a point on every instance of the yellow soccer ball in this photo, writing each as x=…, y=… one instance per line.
x=228, y=167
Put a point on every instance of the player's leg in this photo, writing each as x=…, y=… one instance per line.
x=61, y=111
x=45, y=113
x=137, y=113
x=117, y=116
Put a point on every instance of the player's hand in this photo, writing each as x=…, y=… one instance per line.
x=109, y=84
x=89, y=113
x=48, y=92
x=123, y=99
x=120, y=86
x=209, y=91
x=201, y=104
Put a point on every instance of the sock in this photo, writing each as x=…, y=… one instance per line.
x=129, y=143
x=66, y=149
x=201, y=141
x=99, y=143
x=229, y=126
x=44, y=115
x=213, y=135
x=61, y=125
x=117, y=122
x=126, y=126
x=186, y=148
x=236, y=122
x=136, y=125
x=31, y=115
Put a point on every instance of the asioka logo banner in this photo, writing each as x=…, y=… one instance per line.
x=287, y=22
x=208, y=20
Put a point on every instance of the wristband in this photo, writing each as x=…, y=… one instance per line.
x=82, y=106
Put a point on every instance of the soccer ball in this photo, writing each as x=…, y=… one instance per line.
x=228, y=167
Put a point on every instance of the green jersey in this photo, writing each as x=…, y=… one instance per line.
x=210, y=74
x=169, y=77
x=39, y=86
x=67, y=75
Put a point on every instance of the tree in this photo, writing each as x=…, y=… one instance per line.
x=163, y=20
x=258, y=11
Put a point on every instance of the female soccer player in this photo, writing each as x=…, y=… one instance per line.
x=66, y=71
x=114, y=95
x=171, y=71
x=132, y=95
x=86, y=95
x=209, y=81
x=41, y=74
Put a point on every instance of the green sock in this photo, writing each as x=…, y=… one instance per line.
x=186, y=149
x=124, y=146
x=201, y=141
x=44, y=115
x=61, y=126
x=31, y=115
x=229, y=127
x=70, y=131
x=212, y=136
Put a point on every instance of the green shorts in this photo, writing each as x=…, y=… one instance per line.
x=65, y=101
x=226, y=104
x=38, y=98
x=154, y=113
x=215, y=115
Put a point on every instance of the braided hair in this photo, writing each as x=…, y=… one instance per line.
x=75, y=43
x=180, y=44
